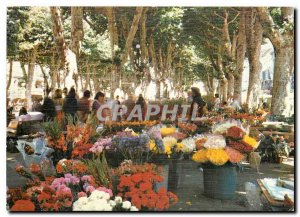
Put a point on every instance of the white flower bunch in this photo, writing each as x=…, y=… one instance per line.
x=188, y=145
x=222, y=127
x=169, y=141
x=215, y=142
x=100, y=201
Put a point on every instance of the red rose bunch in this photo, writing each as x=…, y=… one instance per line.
x=235, y=132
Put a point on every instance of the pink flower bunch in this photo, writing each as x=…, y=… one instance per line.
x=89, y=183
x=100, y=145
x=106, y=190
x=234, y=155
x=59, y=183
x=81, y=194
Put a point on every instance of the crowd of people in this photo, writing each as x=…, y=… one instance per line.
x=64, y=103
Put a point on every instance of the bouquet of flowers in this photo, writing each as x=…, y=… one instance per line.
x=179, y=136
x=215, y=151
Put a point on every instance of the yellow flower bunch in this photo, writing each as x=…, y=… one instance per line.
x=200, y=156
x=152, y=145
x=169, y=143
x=167, y=131
x=250, y=141
x=217, y=156
x=179, y=146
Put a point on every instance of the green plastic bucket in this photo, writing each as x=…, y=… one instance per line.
x=220, y=181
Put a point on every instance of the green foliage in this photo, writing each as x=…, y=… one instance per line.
x=99, y=168
x=16, y=20
x=52, y=129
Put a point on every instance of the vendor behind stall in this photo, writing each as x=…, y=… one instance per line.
x=23, y=115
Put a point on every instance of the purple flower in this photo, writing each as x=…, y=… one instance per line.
x=86, y=178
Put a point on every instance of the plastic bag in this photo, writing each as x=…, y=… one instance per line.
x=253, y=197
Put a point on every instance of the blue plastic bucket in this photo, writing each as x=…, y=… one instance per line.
x=220, y=181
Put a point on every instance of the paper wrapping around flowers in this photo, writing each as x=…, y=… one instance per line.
x=215, y=142
x=41, y=151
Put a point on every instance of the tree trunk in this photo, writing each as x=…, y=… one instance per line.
x=224, y=88
x=65, y=54
x=240, y=57
x=254, y=38
x=281, y=82
x=283, y=43
x=30, y=75
x=9, y=76
x=87, y=78
x=131, y=34
x=24, y=71
x=230, y=89
x=46, y=83
x=76, y=29
x=157, y=89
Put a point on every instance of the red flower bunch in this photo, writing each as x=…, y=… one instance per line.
x=81, y=149
x=187, y=127
x=59, y=144
x=239, y=146
x=53, y=200
x=14, y=194
x=35, y=169
x=71, y=166
x=23, y=205
x=235, y=132
x=138, y=188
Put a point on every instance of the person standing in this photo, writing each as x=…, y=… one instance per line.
x=129, y=103
x=84, y=106
x=48, y=107
x=141, y=101
x=70, y=106
x=197, y=103
x=217, y=102
x=58, y=102
x=99, y=101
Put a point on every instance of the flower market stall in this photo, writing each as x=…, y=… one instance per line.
x=130, y=166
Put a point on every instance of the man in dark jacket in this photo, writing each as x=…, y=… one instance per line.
x=70, y=106
x=48, y=107
x=197, y=101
